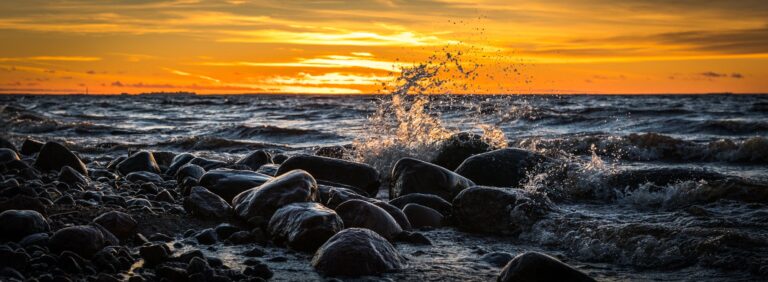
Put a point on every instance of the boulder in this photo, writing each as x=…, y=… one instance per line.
x=357, y=252
x=255, y=159
x=165, y=196
x=227, y=183
x=332, y=197
x=118, y=223
x=395, y=212
x=17, y=224
x=501, y=168
x=144, y=176
x=460, y=146
x=499, y=210
x=304, y=226
x=153, y=254
x=177, y=162
x=4, y=143
x=70, y=176
x=357, y=213
x=189, y=170
x=205, y=204
x=84, y=240
x=269, y=169
x=534, y=266
x=336, y=152
x=420, y=216
x=427, y=200
x=30, y=147
x=54, y=156
x=358, y=175
x=415, y=176
x=140, y=161
x=256, y=205
x=207, y=164
x=8, y=155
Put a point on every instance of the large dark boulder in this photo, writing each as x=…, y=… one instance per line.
x=31, y=146
x=304, y=226
x=420, y=216
x=54, y=156
x=84, y=240
x=460, y=146
x=227, y=183
x=189, y=170
x=17, y=224
x=415, y=176
x=358, y=175
x=205, y=204
x=4, y=143
x=538, y=267
x=427, y=200
x=255, y=159
x=140, y=161
x=501, y=168
x=333, y=196
x=118, y=223
x=256, y=205
x=177, y=162
x=499, y=210
x=8, y=155
x=357, y=252
x=357, y=213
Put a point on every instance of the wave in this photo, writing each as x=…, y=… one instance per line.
x=270, y=131
x=215, y=143
x=654, y=147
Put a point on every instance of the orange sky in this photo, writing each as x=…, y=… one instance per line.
x=288, y=46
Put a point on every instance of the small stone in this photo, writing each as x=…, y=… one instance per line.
x=206, y=237
x=153, y=254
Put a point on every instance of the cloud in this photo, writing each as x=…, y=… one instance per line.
x=51, y=58
x=329, y=61
x=713, y=74
x=737, y=75
x=333, y=78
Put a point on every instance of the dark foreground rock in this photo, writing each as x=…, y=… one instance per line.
x=8, y=155
x=356, y=252
x=416, y=176
x=257, y=205
x=227, y=183
x=140, y=161
x=304, y=226
x=498, y=210
x=358, y=175
x=538, y=267
x=357, y=213
x=54, y=156
x=84, y=240
x=427, y=200
x=205, y=204
x=500, y=168
x=420, y=216
x=120, y=224
x=255, y=159
x=17, y=224
x=459, y=147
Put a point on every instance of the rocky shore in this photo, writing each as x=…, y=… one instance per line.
x=161, y=216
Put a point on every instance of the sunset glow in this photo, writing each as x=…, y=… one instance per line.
x=242, y=46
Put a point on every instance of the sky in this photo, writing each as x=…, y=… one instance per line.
x=327, y=46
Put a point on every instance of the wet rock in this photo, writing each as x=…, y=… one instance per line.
x=199, y=265
x=332, y=197
x=31, y=146
x=420, y=216
x=259, y=270
x=165, y=196
x=413, y=238
x=4, y=143
x=190, y=170
x=395, y=212
x=203, y=203
x=255, y=159
x=138, y=203
x=228, y=183
x=269, y=169
x=153, y=254
x=207, y=237
x=427, y=200
x=497, y=259
x=17, y=224
x=357, y=252
x=54, y=156
x=140, y=161
x=242, y=237
x=143, y=176
x=533, y=266
x=357, y=213
x=177, y=162
x=415, y=176
x=358, y=175
x=257, y=205
x=458, y=148
x=37, y=239
x=304, y=226
x=99, y=173
x=7, y=155
x=10, y=273
x=207, y=164
x=164, y=158
x=170, y=273
x=23, y=202
x=279, y=158
x=118, y=223
x=71, y=176
x=336, y=152
x=498, y=210
x=224, y=230
x=500, y=168
x=84, y=240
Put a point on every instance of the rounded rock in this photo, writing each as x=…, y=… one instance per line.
x=17, y=224
x=534, y=267
x=357, y=213
x=304, y=226
x=415, y=176
x=357, y=252
x=421, y=216
x=257, y=204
